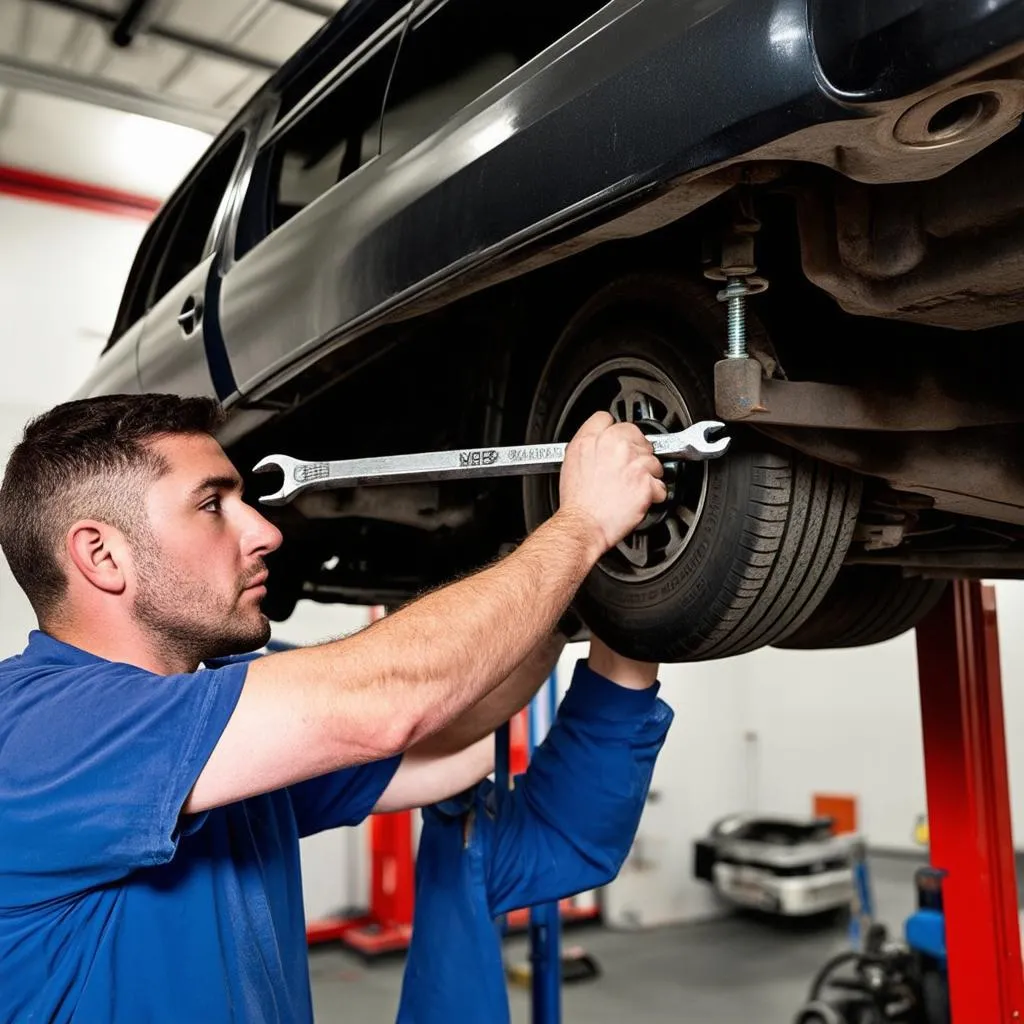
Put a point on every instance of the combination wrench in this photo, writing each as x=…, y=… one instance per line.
x=689, y=445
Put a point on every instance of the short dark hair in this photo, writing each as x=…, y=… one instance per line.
x=85, y=459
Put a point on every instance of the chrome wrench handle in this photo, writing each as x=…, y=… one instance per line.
x=690, y=444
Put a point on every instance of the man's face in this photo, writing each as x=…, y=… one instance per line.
x=200, y=574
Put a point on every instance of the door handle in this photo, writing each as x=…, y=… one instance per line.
x=191, y=315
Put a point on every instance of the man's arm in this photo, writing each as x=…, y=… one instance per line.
x=462, y=754
x=422, y=780
x=306, y=712
x=569, y=824
x=504, y=701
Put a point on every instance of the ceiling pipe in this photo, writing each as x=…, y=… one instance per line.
x=127, y=25
x=170, y=35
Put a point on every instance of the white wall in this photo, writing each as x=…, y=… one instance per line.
x=850, y=722
x=765, y=731
x=1010, y=611
x=61, y=275
x=844, y=721
x=105, y=147
x=16, y=618
x=701, y=775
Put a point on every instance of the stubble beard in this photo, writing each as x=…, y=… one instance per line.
x=185, y=619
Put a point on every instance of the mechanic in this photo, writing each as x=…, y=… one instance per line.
x=566, y=826
x=150, y=801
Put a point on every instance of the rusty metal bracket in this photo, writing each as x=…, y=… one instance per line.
x=744, y=394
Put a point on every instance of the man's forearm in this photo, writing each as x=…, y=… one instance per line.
x=504, y=701
x=444, y=653
x=414, y=672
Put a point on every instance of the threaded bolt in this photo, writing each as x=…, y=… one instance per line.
x=736, y=295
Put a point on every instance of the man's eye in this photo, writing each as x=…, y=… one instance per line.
x=213, y=505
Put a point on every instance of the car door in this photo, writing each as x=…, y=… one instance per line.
x=303, y=212
x=181, y=350
x=117, y=369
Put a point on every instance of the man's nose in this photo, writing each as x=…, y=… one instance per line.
x=261, y=535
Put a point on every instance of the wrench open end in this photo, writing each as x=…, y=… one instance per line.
x=285, y=465
x=713, y=448
x=692, y=444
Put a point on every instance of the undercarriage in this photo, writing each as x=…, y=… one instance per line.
x=850, y=310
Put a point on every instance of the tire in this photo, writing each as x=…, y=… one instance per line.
x=759, y=535
x=864, y=606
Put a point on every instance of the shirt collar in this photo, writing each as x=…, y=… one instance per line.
x=48, y=649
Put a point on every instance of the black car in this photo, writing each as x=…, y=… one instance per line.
x=451, y=223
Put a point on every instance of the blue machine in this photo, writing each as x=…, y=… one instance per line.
x=880, y=978
x=925, y=929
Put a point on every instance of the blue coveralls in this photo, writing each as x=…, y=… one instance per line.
x=565, y=827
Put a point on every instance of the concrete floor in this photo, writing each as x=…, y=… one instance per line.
x=732, y=971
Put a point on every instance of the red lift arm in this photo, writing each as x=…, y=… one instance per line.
x=969, y=803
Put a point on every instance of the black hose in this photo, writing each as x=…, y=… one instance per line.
x=830, y=965
x=850, y=956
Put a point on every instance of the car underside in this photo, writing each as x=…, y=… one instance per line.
x=878, y=426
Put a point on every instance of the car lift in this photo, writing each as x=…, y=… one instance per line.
x=969, y=819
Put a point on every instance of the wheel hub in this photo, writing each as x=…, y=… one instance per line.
x=636, y=391
x=656, y=514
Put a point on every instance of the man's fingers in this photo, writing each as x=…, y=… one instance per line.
x=654, y=466
x=631, y=432
x=595, y=424
x=660, y=491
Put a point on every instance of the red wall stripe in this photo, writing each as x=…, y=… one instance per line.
x=64, y=192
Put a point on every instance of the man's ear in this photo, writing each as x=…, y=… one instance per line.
x=99, y=553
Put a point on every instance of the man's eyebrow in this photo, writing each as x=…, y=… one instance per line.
x=224, y=482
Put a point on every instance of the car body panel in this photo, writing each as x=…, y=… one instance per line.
x=352, y=254
x=117, y=370
x=172, y=353
x=641, y=93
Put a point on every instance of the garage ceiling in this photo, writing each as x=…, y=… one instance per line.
x=187, y=63
x=194, y=62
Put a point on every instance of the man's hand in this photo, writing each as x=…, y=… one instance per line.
x=634, y=675
x=611, y=476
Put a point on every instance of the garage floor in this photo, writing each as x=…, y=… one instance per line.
x=722, y=972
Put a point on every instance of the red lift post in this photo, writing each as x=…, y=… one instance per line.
x=969, y=819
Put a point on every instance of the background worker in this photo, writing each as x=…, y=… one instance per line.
x=150, y=806
x=566, y=826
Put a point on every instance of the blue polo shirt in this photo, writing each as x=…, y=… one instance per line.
x=115, y=907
